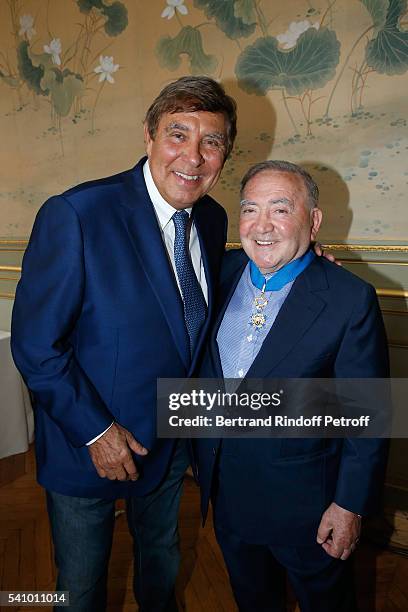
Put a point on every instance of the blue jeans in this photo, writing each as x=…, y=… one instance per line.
x=82, y=530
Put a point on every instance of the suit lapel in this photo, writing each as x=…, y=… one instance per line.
x=299, y=311
x=151, y=251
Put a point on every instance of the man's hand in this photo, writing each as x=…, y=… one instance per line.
x=111, y=455
x=339, y=531
x=318, y=249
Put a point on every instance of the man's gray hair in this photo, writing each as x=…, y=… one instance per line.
x=275, y=165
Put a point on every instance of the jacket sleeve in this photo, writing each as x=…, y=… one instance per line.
x=363, y=354
x=47, y=306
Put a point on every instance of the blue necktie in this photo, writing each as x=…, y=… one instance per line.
x=195, y=308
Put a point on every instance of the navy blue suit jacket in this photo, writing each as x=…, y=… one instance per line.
x=275, y=490
x=97, y=319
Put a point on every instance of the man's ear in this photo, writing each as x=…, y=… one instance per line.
x=316, y=216
x=147, y=139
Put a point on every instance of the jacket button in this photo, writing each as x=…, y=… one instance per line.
x=214, y=450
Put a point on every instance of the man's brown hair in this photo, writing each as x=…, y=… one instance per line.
x=194, y=93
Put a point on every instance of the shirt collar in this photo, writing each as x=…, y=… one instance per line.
x=163, y=209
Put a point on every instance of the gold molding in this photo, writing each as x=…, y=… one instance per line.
x=388, y=311
x=397, y=345
x=392, y=248
x=9, y=278
x=10, y=269
x=381, y=291
x=7, y=296
x=382, y=248
x=15, y=250
x=394, y=293
x=13, y=241
x=375, y=262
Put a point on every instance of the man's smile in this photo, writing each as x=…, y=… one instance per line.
x=187, y=177
x=264, y=242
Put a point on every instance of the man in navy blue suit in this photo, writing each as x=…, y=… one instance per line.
x=290, y=505
x=116, y=291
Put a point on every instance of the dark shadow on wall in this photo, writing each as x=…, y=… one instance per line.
x=334, y=194
x=256, y=133
x=255, y=114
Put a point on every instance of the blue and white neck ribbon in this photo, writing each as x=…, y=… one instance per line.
x=284, y=275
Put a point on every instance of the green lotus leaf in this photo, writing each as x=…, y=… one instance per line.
x=378, y=11
x=43, y=60
x=187, y=41
x=387, y=53
x=64, y=86
x=117, y=18
x=225, y=18
x=309, y=65
x=245, y=10
x=116, y=14
x=86, y=6
x=9, y=80
x=30, y=72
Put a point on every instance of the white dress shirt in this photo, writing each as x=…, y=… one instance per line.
x=164, y=213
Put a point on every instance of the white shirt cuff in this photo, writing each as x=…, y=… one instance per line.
x=99, y=436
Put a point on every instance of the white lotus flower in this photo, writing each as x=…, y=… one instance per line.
x=172, y=6
x=106, y=68
x=295, y=29
x=54, y=49
x=26, y=23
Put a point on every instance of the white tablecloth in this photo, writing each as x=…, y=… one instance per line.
x=16, y=415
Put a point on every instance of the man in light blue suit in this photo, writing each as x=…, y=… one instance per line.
x=291, y=505
x=116, y=291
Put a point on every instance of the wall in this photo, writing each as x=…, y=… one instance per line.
x=331, y=97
